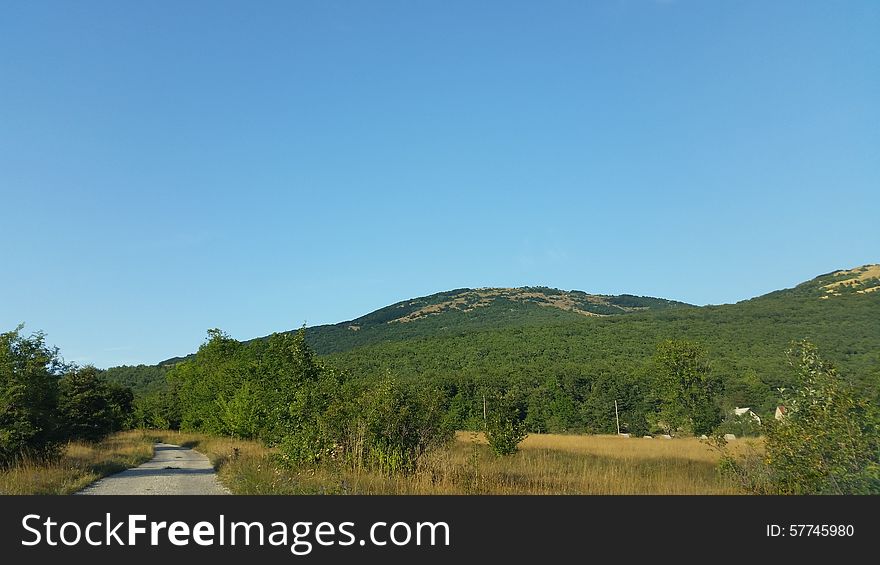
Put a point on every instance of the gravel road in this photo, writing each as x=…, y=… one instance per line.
x=172, y=470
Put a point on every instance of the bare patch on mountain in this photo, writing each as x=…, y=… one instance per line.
x=860, y=280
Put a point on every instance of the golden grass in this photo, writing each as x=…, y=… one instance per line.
x=78, y=465
x=486, y=295
x=861, y=275
x=545, y=464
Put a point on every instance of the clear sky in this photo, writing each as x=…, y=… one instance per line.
x=168, y=167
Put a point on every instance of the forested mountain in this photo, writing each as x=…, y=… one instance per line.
x=577, y=348
x=746, y=342
x=465, y=310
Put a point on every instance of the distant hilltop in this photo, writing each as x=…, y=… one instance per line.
x=464, y=310
x=860, y=280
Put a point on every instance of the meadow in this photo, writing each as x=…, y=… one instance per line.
x=78, y=464
x=545, y=464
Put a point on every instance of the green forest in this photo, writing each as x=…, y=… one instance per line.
x=505, y=361
x=45, y=402
x=565, y=369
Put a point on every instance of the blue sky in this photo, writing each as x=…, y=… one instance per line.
x=169, y=167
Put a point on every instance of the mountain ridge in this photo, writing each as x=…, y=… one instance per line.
x=516, y=329
x=519, y=303
x=337, y=337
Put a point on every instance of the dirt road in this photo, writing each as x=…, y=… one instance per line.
x=173, y=470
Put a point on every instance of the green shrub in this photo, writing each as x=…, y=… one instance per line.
x=506, y=424
x=827, y=443
x=829, y=440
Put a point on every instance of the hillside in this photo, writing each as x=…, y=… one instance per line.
x=861, y=280
x=547, y=339
x=746, y=344
x=465, y=310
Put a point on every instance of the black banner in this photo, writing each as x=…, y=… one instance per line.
x=432, y=529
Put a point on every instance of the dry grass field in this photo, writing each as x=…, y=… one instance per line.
x=545, y=464
x=77, y=465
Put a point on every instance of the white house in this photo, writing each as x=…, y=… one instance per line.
x=747, y=412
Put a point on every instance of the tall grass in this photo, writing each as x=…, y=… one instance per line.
x=77, y=465
x=545, y=464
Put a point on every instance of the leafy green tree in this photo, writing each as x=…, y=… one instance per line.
x=685, y=388
x=216, y=372
x=628, y=389
x=158, y=410
x=829, y=440
x=242, y=413
x=505, y=426
x=308, y=430
x=29, y=371
x=121, y=400
x=293, y=385
x=89, y=407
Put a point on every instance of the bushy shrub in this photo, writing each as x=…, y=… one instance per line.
x=827, y=443
x=829, y=440
x=277, y=390
x=506, y=423
x=385, y=427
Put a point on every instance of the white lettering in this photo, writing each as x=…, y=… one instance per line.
x=134, y=529
x=24, y=524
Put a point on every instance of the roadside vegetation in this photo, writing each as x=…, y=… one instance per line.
x=828, y=442
x=46, y=403
x=76, y=464
x=544, y=464
x=275, y=418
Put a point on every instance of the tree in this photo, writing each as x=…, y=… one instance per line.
x=160, y=409
x=29, y=371
x=241, y=415
x=505, y=425
x=829, y=440
x=685, y=388
x=216, y=372
x=89, y=407
x=121, y=399
x=294, y=385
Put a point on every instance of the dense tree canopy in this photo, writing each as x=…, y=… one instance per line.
x=44, y=401
x=90, y=407
x=277, y=390
x=29, y=372
x=684, y=388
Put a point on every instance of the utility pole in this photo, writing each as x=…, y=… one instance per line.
x=616, y=416
x=485, y=419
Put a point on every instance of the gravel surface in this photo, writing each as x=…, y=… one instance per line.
x=172, y=470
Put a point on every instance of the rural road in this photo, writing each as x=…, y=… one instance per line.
x=172, y=470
